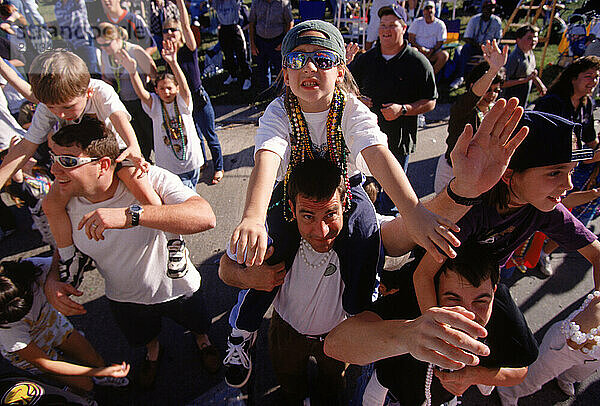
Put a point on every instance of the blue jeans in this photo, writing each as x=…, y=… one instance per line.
x=204, y=118
x=462, y=55
x=190, y=179
x=384, y=205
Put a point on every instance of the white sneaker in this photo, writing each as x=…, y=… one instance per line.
x=178, y=253
x=229, y=80
x=247, y=84
x=456, y=83
x=544, y=264
x=567, y=387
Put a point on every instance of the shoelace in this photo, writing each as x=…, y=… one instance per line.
x=236, y=355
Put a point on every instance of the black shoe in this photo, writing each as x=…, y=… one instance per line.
x=72, y=270
x=238, y=364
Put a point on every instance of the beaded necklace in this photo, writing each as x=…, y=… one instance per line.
x=176, y=137
x=301, y=145
x=116, y=69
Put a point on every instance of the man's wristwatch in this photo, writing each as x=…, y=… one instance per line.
x=133, y=213
x=404, y=110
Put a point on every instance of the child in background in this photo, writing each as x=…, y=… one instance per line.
x=60, y=81
x=520, y=67
x=176, y=142
x=32, y=332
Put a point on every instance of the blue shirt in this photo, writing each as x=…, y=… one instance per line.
x=73, y=24
x=228, y=11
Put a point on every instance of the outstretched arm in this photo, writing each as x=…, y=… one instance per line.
x=131, y=65
x=169, y=54
x=188, y=35
x=17, y=82
x=443, y=336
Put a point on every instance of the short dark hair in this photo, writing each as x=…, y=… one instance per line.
x=316, y=179
x=165, y=76
x=16, y=290
x=524, y=30
x=476, y=262
x=91, y=135
x=479, y=70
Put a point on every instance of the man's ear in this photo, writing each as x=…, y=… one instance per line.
x=508, y=173
x=293, y=208
x=105, y=164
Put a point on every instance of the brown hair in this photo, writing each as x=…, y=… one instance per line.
x=109, y=32
x=91, y=135
x=563, y=84
x=58, y=76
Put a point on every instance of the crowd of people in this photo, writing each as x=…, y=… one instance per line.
x=327, y=201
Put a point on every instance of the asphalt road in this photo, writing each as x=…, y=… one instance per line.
x=181, y=380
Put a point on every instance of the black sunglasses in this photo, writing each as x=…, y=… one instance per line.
x=169, y=30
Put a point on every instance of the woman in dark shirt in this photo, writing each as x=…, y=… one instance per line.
x=483, y=84
x=180, y=33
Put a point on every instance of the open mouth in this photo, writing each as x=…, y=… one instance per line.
x=310, y=83
x=556, y=199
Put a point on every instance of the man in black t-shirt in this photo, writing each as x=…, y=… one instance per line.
x=470, y=281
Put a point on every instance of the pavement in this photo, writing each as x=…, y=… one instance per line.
x=181, y=381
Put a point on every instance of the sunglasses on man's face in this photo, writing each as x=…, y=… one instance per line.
x=170, y=30
x=70, y=162
x=322, y=59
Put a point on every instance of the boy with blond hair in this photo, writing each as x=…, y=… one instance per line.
x=61, y=84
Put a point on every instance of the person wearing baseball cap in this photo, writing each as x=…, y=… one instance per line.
x=427, y=34
x=483, y=27
x=526, y=199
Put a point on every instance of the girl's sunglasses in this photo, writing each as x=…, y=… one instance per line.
x=70, y=162
x=170, y=30
x=322, y=59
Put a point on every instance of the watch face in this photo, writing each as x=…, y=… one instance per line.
x=135, y=208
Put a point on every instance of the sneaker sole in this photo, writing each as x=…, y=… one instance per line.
x=177, y=275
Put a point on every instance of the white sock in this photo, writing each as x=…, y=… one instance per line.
x=240, y=333
x=66, y=253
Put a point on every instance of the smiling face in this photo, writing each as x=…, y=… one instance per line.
x=173, y=33
x=79, y=181
x=391, y=31
x=319, y=222
x=167, y=90
x=492, y=93
x=312, y=86
x=429, y=14
x=542, y=187
x=110, y=46
x=585, y=82
x=454, y=290
x=70, y=110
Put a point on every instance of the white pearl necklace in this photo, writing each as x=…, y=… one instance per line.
x=305, y=246
x=572, y=331
x=428, y=381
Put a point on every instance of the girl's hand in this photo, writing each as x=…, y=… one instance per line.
x=169, y=52
x=123, y=57
x=134, y=155
x=115, y=370
x=493, y=56
x=351, y=50
x=249, y=242
x=432, y=232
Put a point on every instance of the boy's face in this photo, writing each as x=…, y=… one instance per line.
x=70, y=110
x=454, y=290
x=528, y=41
x=167, y=90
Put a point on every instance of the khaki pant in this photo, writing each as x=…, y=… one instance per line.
x=290, y=352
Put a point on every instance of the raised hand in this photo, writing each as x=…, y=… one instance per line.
x=169, y=52
x=493, y=55
x=123, y=57
x=480, y=160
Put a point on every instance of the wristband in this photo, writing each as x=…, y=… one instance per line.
x=463, y=201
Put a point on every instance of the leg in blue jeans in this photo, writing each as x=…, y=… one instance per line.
x=204, y=118
x=190, y=179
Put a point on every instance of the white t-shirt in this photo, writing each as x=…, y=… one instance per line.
x=42, y=325
x=165, y=157
x=310, y=299
x=103, y=102
x=9, y=127
x=359, y=126
x=427, y=35
x=133, y=261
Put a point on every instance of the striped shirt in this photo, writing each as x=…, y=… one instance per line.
x=73, y=23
